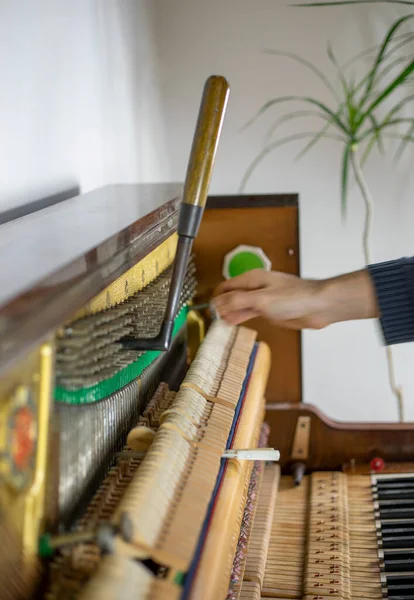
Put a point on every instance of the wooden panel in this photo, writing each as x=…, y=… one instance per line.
x=334, y=443
x=270, y=222
x=54, y=261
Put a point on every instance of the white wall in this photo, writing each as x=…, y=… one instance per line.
x=344, y=366
x=79, y=101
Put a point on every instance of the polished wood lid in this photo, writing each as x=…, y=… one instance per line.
x=55, y=260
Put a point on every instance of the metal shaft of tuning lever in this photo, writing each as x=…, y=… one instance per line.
x=206, y=306
x=197, y=181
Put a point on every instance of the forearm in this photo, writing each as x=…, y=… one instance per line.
x=384, y=290
x=347, y=297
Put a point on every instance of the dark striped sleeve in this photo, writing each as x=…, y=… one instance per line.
x=394, y=284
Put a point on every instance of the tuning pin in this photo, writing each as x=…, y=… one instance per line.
x=298, y=471
x=206, y=306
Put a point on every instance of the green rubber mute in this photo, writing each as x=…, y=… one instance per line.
x=45, y=548
x=243, y=259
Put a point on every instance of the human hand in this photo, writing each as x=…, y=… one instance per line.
x=294, y=303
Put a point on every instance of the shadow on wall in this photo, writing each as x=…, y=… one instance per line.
x=31, y=207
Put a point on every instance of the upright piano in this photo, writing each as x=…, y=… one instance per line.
x=136, y=457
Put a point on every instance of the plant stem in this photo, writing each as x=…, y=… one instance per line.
x=369, y=213
x=369, y=205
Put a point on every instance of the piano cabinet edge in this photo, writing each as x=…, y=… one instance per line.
x=332, y=444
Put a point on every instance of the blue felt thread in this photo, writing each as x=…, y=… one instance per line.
x=197, y=554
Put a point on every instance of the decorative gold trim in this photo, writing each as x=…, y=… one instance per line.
x=24, y=505
x=133, y=280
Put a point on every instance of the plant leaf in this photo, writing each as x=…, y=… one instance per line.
x=334, y=118
x=348, y=63
x=388, y=90
x=344, y=178
x=383, y=126
x=388, y=38
x=253, y=165
x=307, y=64
x=408, y=137
x=377, y=134
x=376, y=137
x=346, y=88
x=318, y=136
x=289, y=117
x=392, y=65
x=368, y=150
x=399, y=106
x=406, y=39
x=399, y=136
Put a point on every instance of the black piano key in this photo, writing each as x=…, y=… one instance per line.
x=400, y=502
x=398, y=524
x=403, y=591
x=396, y=531
x=394, y=494
x=394, y=501
x=400, y=590
x=394, y=483
x=396, y=513
x=399, y=553
x=402, y=522
x=398, y=564
x=384, y=493
x=405, y=578
x=397, y=542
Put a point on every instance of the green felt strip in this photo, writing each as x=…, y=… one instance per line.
x=105, y=388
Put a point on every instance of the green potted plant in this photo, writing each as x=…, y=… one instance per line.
x=363, y=115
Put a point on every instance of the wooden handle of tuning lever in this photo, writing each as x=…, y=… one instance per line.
x=203, y=154
x=206, y=138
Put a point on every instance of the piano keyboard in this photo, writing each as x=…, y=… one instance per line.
x=337, y=536
x=394, y=516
